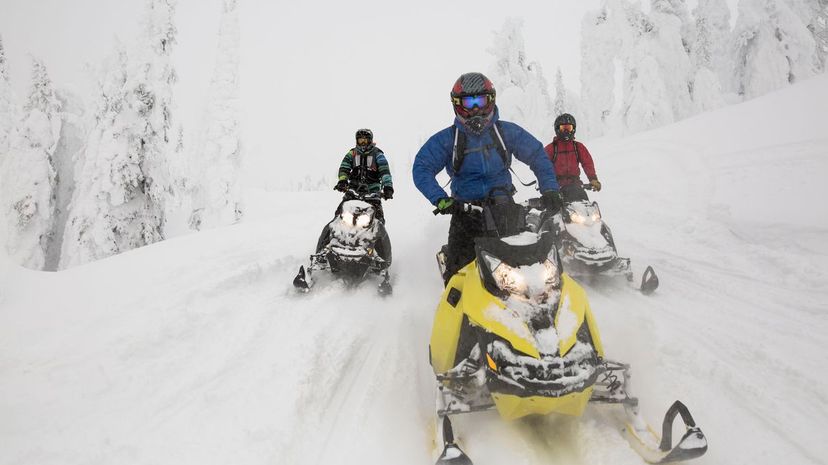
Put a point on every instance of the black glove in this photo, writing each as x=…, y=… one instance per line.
x=447, y=206
x=341, y=186
x=388, y=192
x=552, y=201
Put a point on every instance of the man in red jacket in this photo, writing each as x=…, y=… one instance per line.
x=566, y=154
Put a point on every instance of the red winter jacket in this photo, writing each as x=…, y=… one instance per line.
x=566, y=164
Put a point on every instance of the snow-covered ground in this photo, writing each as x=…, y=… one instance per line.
x=197, y=350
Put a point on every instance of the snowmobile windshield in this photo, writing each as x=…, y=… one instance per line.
x=525, y=266
x=357, y=214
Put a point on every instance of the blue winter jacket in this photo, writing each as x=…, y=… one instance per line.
x=482, y=169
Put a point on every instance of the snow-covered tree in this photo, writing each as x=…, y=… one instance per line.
x=814, y=14
x=153, y=87
x=772, y=48
x=604, y=33
x=646, y=98
x=27, y=196
x=565, y=101
x=712, y=38
x=123, y=179
x=678, y=8
x=217, y=199
x=709, y=54
x=559, y=106
x=7, y=114
x=666, y=42
x=522, y=91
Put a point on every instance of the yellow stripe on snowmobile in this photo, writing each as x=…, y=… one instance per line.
x=445, y=331
x=574, y=306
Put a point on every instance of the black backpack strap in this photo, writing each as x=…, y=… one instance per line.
x=459, y=149
x=555, y=151
x=500, y=145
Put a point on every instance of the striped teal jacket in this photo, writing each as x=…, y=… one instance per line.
x=369, y=168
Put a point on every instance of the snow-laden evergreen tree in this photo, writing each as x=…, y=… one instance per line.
x=709, y=54
x=153, y=87
x=7, y=113
x=667, y=44
x=109, y=204
x=678, y=8
x=814, y=14
x=124, y=181
x=710, y=50
x=772, y=48
x=566, y=101
x=522, y=90
x=27, y=176
x=604, y=33
x=559, y=106
x=217, y=199
x=646, y=98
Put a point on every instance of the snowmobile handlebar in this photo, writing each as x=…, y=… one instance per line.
x=362, y=194
x=463, y=207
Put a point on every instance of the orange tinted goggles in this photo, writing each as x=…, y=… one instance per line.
x=566, y=128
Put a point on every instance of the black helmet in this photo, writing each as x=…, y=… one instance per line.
x=365, y=134
x=566, y=133
x=473, y=99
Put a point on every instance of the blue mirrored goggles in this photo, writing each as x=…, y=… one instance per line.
x=470, y=101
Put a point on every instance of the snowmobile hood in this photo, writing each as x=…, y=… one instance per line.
x=509, y=320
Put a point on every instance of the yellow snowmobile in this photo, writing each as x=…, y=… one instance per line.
x=512, y=332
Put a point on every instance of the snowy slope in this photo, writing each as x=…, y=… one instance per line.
x=196, y=350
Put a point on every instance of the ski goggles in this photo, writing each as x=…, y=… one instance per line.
x=566, y=128
x=363, y=140
x=470, y=101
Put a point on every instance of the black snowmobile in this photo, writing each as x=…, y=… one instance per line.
x=586, y=245
x=353, y=245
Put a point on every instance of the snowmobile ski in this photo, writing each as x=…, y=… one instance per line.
x=649, y=281
x=300, y=282
x=646, y=442
x=452, y=454
x=384, y=287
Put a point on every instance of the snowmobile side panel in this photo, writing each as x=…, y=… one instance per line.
x=445, y=331
x=592, y=324
x=512, y=407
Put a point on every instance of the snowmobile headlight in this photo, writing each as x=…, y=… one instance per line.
x=347, y=218
x=363, y=220
x=596, y=212
x=576, y=217
x=551, y=275
x=531, y=282
x=510, y=279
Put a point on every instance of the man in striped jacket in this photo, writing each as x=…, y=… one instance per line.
x=365, y=165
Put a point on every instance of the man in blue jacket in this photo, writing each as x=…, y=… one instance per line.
x=476, y=152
